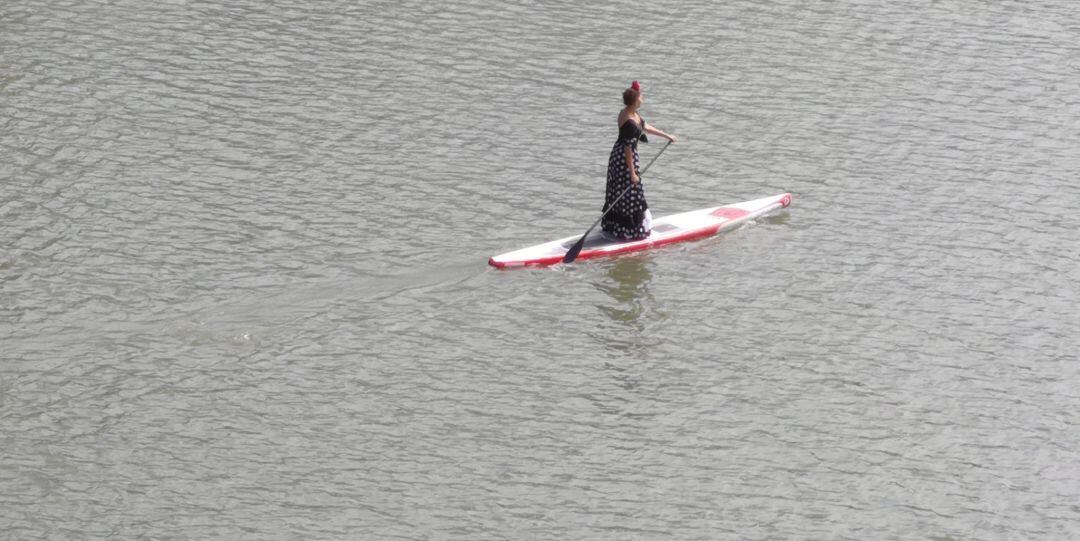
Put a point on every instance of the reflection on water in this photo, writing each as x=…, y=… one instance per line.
x=776, y=218
x=627, y=283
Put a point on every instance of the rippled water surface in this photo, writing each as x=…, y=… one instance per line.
x=244, y=291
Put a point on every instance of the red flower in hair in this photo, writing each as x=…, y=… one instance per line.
x=636, y=86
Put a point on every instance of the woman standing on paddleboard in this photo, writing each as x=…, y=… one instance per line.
x=630, y=219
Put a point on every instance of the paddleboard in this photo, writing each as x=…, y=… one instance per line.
x=682, y=227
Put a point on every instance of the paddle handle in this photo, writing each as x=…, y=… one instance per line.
x=574, y=250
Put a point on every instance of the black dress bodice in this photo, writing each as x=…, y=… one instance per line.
x=631, y=132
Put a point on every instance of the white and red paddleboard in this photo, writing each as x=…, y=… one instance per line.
x=691, y=225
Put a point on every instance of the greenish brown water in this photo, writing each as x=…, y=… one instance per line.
x=243, y=290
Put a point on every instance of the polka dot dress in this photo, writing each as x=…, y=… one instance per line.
x=626, y=220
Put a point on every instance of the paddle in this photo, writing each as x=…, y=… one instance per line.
x=572, y=254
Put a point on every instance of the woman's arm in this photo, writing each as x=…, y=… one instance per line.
x=660, y=133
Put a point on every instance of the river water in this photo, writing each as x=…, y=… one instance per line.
x=244, y=291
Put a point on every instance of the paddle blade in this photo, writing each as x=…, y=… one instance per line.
x=574, y=250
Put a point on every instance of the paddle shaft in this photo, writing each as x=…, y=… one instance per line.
x=574, y=250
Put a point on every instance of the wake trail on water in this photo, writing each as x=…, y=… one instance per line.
x=268, y=310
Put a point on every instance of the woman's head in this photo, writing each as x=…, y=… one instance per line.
x=632, y=96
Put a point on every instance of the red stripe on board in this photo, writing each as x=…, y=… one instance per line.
x=729, y=213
